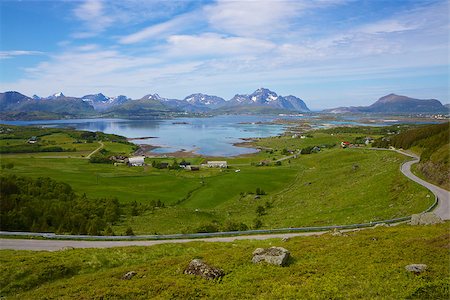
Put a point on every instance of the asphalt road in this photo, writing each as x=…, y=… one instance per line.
x=443, y=207
x=442, y=210
x=55, y=245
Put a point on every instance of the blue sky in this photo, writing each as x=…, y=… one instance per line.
x=328, y=52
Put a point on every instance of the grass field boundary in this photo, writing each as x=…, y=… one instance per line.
x=222, y=234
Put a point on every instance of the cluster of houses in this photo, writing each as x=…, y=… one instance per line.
x=346, y=144
x=139, y=161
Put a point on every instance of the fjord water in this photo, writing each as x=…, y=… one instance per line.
x=211, y=136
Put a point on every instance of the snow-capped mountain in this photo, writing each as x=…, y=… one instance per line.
x=56, y=95
x=203, y=100
x=100, y=102
x=95, y=98
x=266, y=97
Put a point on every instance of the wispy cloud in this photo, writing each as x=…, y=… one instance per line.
x=14, y=53
x=213, y=45
x=160, y=30
x=91, y=13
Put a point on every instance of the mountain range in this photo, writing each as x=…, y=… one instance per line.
x=14, y=105
x=393, y=103
x=151, y=104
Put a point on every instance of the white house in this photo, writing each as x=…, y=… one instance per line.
x=217, y=164
x=136, y=161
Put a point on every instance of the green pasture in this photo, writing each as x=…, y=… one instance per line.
x=369, y=264
x=337, y=186
x=334, y=186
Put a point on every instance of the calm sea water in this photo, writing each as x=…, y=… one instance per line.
x=213, y=136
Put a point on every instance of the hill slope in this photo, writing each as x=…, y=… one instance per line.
x=432, y=141
x=369, y=264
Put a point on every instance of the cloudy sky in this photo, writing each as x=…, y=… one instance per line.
x=328, y=52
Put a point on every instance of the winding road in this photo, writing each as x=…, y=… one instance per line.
x=442, y=210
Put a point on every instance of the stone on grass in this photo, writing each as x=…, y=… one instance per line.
x=199, y=268
x=285, y=239
x=416, y=268
x=128, y=275
x=428, y=218
x=273, y=255
x=380, y=225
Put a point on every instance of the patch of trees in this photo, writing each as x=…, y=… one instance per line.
x=429, y=138
x=46, y=205
x=33, y=148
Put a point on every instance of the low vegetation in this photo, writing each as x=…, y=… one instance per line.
x=369, y=264
x=432, y=142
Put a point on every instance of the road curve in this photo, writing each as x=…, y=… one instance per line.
x=443, y=206
x=442, y=210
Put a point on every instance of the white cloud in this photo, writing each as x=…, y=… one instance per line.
x=251, y=18
x=211, y=45
x=14, y=53
x=92, y=14
x=160, y=30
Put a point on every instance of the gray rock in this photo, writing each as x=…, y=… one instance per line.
x=425, y=219
x=129, y=275
x=67, y=248
x=199, y=268
x=285, y=239
x=273, y=255
x=416, y=268
x=380, y=225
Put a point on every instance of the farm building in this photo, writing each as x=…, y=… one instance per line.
x=32, y=140
x=217, y=164
x=136, y=161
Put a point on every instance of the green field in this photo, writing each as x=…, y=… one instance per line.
x=336, y=186
x=369, y=264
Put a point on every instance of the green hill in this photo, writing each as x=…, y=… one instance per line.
x=369, y=264
x=432, y=142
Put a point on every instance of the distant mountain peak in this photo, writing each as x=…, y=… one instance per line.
x=394, y=103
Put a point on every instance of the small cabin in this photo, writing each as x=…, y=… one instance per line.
x=32, y=140
x=136, y=161
x=184, y=164
x=345, y=144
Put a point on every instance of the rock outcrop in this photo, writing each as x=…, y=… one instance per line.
x=425, y=219
x=199, y=268
x=416, y=268
x=128, y=275
x=273, y=255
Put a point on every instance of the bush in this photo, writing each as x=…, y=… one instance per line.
x=206, y=228
x=234, y=226
x=129, y=231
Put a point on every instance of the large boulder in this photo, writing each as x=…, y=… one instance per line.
x=199, y=268
x=416, y=268
x=273, y=255
x=425, y=219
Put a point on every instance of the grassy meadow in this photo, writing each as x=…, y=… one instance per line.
x=334, y=186
x=369, y=264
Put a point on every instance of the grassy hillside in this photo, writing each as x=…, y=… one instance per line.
x=369, y=264
x=337, y=186
x=432, y=142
